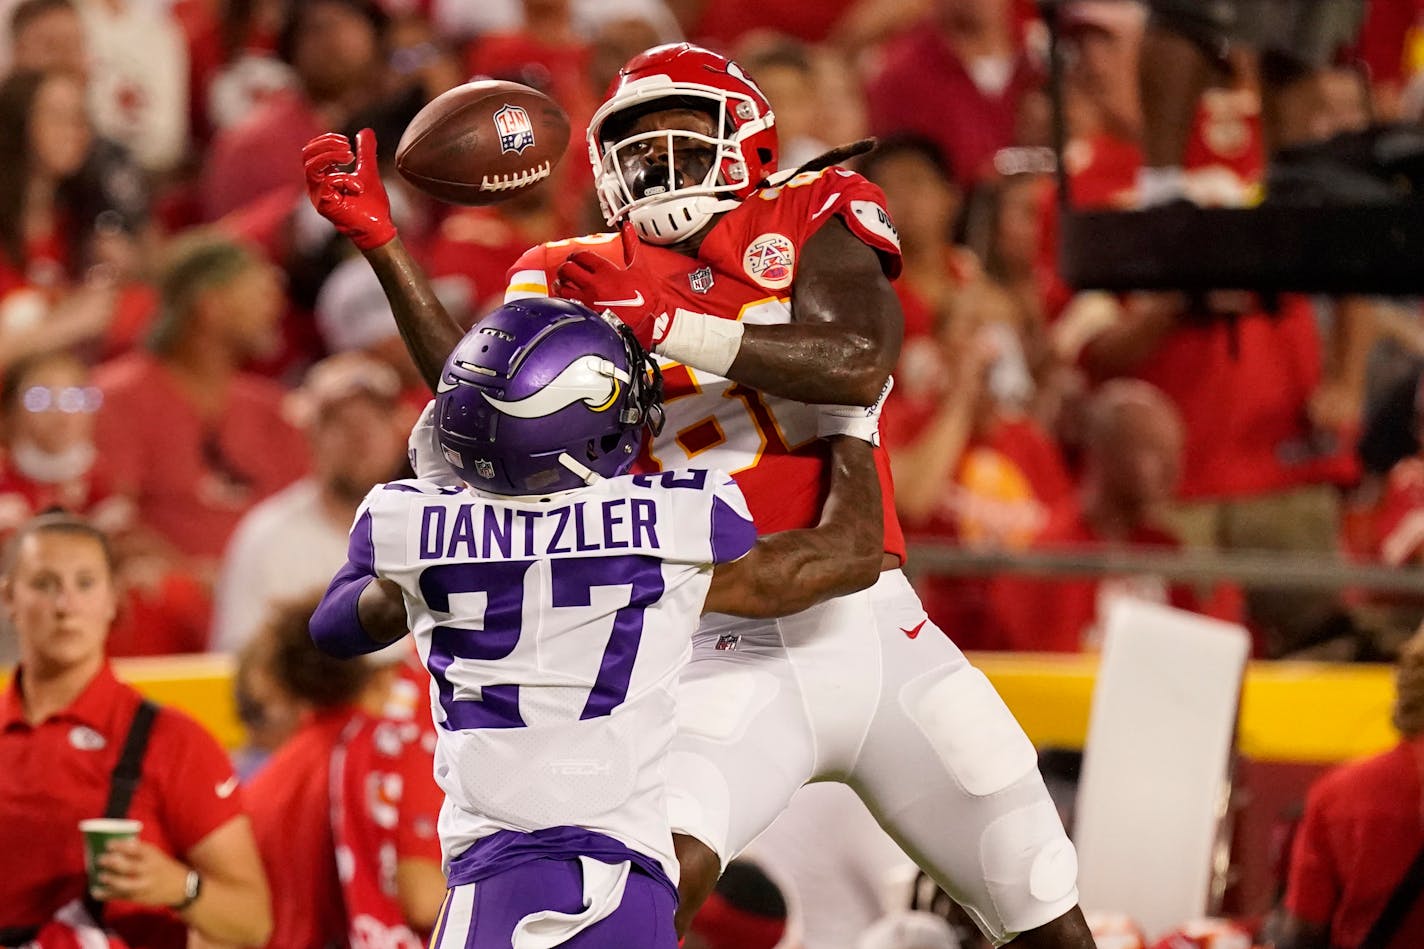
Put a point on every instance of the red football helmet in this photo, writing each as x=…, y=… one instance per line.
x=700, y=174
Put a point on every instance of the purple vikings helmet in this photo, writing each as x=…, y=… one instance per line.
x=545, y=395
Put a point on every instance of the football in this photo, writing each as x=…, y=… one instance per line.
x=483, y=142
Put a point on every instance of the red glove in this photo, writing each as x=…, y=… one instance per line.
x=631, y=292
x=355, y=201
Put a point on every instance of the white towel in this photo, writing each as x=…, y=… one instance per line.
x=603, y=885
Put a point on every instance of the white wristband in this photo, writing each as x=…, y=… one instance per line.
x=702, y=341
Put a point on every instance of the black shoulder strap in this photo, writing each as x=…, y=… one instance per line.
x=1400, y=903
x=124, y=781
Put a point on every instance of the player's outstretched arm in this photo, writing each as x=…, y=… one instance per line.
x=426, y=328
x=355, y=202
x=790, y=571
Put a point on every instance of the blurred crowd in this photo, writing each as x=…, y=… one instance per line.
x=197, y=363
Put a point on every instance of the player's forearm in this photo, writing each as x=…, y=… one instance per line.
x=359, y=614
x=790, y=571
x=429, y=332
x=816, y=363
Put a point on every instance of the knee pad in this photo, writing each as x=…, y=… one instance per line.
x=976, y=737
x=1030, y=866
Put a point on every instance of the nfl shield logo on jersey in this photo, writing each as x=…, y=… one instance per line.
x=516, y=132
x=483, y=468
x=701, y=279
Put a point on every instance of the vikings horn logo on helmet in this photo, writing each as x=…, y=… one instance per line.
x=591, y=379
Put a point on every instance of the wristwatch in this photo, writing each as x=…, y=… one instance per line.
x=192, y=886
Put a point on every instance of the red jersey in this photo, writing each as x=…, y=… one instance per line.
x=289, y=802
x=744, y=270
x=1363, y=824
x=193, y=478
x=383, y=771
x=384, y=803
x=56, y=773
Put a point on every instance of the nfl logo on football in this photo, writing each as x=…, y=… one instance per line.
x=516, y=132
x=701, y=279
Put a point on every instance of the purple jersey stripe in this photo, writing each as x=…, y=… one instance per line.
x=732, y=534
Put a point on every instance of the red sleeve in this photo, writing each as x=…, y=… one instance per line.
x=532, y=272
x=860, y=205
x=421, y=799
x=1313, y=887
x=197, y=786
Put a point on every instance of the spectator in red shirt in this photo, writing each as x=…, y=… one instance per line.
x=957, y=78
x=48, y=405
x=969, y=466
x=1131, y=464
x=295, y=541
x=47, y=211
x=1363, y=826
x=63, y=721
x=184, y=432
x=349, y=779
x=335, y=48
x=1263, y=468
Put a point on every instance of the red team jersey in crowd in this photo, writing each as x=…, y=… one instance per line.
x=384, y=775
x=744, y=271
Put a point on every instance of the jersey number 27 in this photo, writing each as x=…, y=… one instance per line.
x=571, y=584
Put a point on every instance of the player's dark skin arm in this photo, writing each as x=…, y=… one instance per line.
x=429, y=332
x=789, y=571
x=381, y=609
x=845, y=330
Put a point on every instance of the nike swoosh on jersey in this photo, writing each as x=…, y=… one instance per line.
x=636, y=300
x=225, y=789
x=915, y=630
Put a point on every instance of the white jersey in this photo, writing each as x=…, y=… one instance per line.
x=554, y=630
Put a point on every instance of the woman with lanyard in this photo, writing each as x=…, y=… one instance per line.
x=77, y=744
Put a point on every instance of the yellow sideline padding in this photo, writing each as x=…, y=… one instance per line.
x=1291, y=711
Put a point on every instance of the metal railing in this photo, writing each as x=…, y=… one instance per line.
x=1255, y=569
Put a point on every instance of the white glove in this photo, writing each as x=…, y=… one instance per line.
x=856, y=421
x=426, y=459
